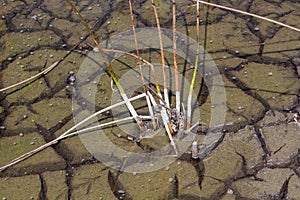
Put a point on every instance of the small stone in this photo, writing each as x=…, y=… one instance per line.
x=256, y=29
x=2, y=127
x=237, y=52
x=121, y=191
x=195, y=150
x=32, y=143
x=167, y=168
x=10, y=59
x=171, y=180
x=90, y=8
x=34, y=17
x=21, y=134
x=51, y=56
x=270, y=73
x=96, y=50
x=25, y=116
x=240, y=107
x=229, y=191
x=134, y=173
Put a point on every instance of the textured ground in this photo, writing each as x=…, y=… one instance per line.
x=258, y=156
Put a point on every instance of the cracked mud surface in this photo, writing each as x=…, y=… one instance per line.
x=258, y=156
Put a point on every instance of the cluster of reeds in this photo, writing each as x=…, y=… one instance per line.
x=183, y=123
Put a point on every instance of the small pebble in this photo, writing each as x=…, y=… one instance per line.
x=2, y=128
x=256, y=29
x=25, y=116
x=32, y=143
x=134, y=173
x=96, y=50
x=167, y=168
x=21, y=134
x=270, y=73
x=229, y=191
x=171, y=180
x=121, y=191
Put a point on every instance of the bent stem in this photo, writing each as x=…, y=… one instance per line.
x=140, y=64
x=110, y=69
x=66, y=134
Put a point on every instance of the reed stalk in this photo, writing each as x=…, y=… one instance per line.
x=66, y=134
x=45, y=71
x=166, y=95
x=175, y=57
x=190, y=96
x=110, y=69
x=249, y=14
x=140, y=64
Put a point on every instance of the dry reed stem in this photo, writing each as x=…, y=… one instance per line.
x=175, y=57
x=65, y=134
x=45, y=71
x=166, y=97
x=249, y=14
x=140, y=63
x=110, y=69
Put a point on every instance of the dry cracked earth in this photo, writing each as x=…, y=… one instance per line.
x=258, y=155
